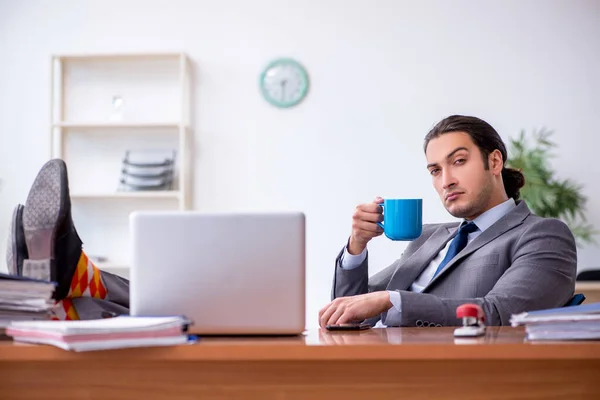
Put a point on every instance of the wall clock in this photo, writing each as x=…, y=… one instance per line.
x=284, y=83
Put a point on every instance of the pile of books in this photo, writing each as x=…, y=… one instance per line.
x=103, y=334
x=566, y=323
x=24, y=299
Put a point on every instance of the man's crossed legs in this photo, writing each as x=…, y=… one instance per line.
x=43, y=243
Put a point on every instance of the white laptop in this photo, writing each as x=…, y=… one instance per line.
x=230, y=273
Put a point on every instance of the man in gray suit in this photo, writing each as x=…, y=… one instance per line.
x=501, y=256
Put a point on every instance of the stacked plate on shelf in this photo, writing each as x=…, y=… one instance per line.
x=147, y=170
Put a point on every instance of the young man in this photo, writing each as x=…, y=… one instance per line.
x=501, y=256
x=43, y=243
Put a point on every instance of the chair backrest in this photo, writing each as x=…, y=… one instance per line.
x=589, y=275
x=576, y=300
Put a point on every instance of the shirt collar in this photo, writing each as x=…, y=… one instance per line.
x=491, y=216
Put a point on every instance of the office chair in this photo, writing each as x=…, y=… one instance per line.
x=589, y=275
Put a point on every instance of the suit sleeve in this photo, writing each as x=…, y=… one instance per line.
x=351, y=282
x=355, y=281
x=542, y=275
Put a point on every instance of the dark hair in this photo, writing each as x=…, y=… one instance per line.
x=487, y=139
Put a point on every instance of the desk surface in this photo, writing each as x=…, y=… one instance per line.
x=423, y=363
x=499, y=343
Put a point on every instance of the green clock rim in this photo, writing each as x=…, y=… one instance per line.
x=276, y=102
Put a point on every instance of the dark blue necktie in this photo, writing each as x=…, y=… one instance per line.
x=458, y=243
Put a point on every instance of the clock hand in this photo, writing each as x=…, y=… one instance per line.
x=283, y=83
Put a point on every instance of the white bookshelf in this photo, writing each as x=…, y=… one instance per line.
x=116, y=125
x=165, y=194
x=92, y=138
x=114, y=268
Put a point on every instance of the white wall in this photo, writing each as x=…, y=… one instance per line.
x=382, y=73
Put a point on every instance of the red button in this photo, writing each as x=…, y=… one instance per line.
x=470, y=310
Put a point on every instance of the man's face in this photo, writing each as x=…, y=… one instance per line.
x=459, y=175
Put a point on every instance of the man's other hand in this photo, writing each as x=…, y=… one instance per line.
x=354, y=308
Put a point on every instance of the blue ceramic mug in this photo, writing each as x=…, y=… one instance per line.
x=402, y=218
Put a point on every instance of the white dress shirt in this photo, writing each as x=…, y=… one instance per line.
x=483, y=222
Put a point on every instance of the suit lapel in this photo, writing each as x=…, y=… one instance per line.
x=508, y=222
x=406, y=274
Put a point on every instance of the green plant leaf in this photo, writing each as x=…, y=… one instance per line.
x=545, y=194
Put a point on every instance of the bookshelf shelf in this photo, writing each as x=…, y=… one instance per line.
x=119, y=125
x=104, y=106
x=166, y=194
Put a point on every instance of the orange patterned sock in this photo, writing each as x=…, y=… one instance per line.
x=64, y=311
x=86, y=282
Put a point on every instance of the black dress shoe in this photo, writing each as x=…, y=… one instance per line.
x=16, y=249
x=53, y=245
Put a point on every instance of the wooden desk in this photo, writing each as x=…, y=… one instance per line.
x=591, y=290
x=395, y=363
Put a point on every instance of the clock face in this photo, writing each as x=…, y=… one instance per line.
x=284, y=83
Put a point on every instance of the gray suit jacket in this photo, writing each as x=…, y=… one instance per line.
x=521, y=263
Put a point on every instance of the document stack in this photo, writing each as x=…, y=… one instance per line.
x=23, y=299
x=103, y=334
x=566, y=323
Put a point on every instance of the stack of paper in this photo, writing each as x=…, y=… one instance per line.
x=565, y=323
x=102, y=334
x=24, y=299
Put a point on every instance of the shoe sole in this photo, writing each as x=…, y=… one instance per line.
x=12, y=255
x=41, y=217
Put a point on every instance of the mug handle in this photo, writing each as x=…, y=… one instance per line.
x=380, y=224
